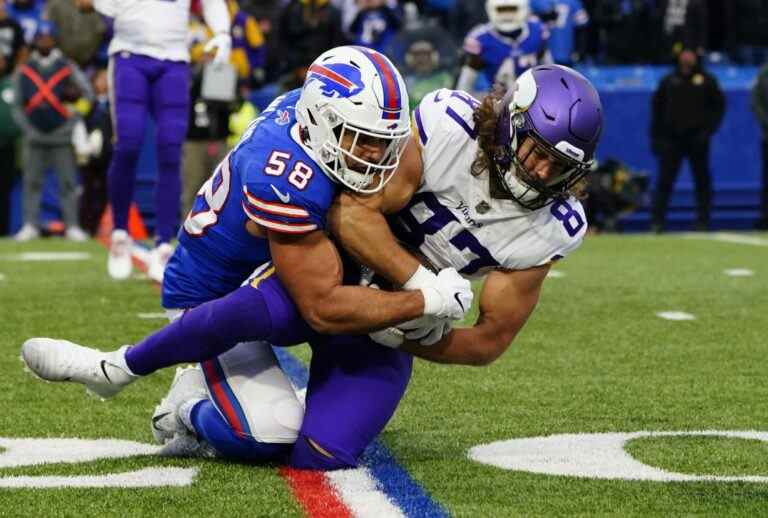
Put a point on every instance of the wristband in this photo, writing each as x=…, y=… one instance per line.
x=420, y=278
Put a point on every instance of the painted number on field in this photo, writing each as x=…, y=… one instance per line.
x=597, y=455
x=34, y=452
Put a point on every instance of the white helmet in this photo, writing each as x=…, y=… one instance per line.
x=354, y=93
x=507, y=15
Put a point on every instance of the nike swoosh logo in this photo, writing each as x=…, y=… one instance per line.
x=456, y=296
x=156, y=419
x=102, y=364
x=285, y=198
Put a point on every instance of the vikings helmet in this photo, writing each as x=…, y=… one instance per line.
x=560, y=110
x=354, y=94
x=507, y=15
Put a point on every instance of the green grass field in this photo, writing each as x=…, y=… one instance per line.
x=594, y=358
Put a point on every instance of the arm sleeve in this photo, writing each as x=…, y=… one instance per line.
x=262, y=206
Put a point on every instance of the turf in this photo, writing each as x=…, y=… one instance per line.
x=593, y=358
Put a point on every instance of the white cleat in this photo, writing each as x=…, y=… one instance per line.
x=27, y=233
x=120, y=262
x=187, y=445
x=60, y=360
x=158, y=258
x=187, y=385
x=76, y=234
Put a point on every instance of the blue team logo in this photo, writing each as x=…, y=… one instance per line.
x=337, y=79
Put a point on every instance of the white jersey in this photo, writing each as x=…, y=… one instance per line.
x=154, y=28
x=453, y=220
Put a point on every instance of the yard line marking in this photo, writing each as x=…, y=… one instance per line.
x=598, y=456
x=358, y=490
x=675, y=315
x=148, y=477
x=392, y=480
x=555, y=274
x=738, y=272
x=728, y=237
x=48, y=256
x=152, y=316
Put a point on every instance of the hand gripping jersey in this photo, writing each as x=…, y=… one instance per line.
x=504, y=59
x=452, y=218
x=269, y=178
x=153, y=28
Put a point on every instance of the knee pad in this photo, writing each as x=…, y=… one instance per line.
x=253, y=394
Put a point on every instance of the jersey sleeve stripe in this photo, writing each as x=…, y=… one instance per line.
x=281, y=209
x=420, y=126
x=288, y=228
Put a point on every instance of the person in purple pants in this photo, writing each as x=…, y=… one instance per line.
x=149, y=75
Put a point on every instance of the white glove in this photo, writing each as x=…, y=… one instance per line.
x=449, y=297
x=222, y=42
x=426, y=330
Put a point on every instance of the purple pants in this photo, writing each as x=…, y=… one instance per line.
x=141, y=85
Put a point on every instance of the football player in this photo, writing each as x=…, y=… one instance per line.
x=266, y=202
x=501, y=50
x=490, y=189
x=149, y=73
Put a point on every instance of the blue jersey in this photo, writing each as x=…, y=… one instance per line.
x=269, y=178
x=570, y=14
x=504, y=58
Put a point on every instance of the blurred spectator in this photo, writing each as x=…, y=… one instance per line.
x=427, y=58
x=80, y=33
x=306, y=28
x=627, y=31
x=746, y=29
x=94, y=154
x=685, y=24
x=43, y=86
x=12, y=45
x=206, y=142
x=687, y=108
x=241, y=116
x=248, y=46
x=372, y=23
x=9, y=136
x=760, y=107
x=29, y=14
x=566, y=20
x=465, y=15
x=509, y=45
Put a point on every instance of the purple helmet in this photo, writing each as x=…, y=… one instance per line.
x=560, y=110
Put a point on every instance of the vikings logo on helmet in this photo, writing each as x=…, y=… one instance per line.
x=337, y=79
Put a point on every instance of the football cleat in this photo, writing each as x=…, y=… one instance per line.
x=187, y=445
x=187, y=385
x=103, y=374
x=120, y=262
x=158, y=258
x=76, y=234
x=27, y=233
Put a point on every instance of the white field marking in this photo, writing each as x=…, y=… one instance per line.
x=727, y=237
x=675, y=315
x=358, y=490
x=152, y=316
x=148, y=477
x=48, y=256
x=33, y=452
x=597, y=456
x=555, y=274
x=738, y=272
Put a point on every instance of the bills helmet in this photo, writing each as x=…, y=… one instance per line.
x=560, y=110
x=507, y=15
x=354, y=96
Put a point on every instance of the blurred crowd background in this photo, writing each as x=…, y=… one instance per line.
x=679, y=80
